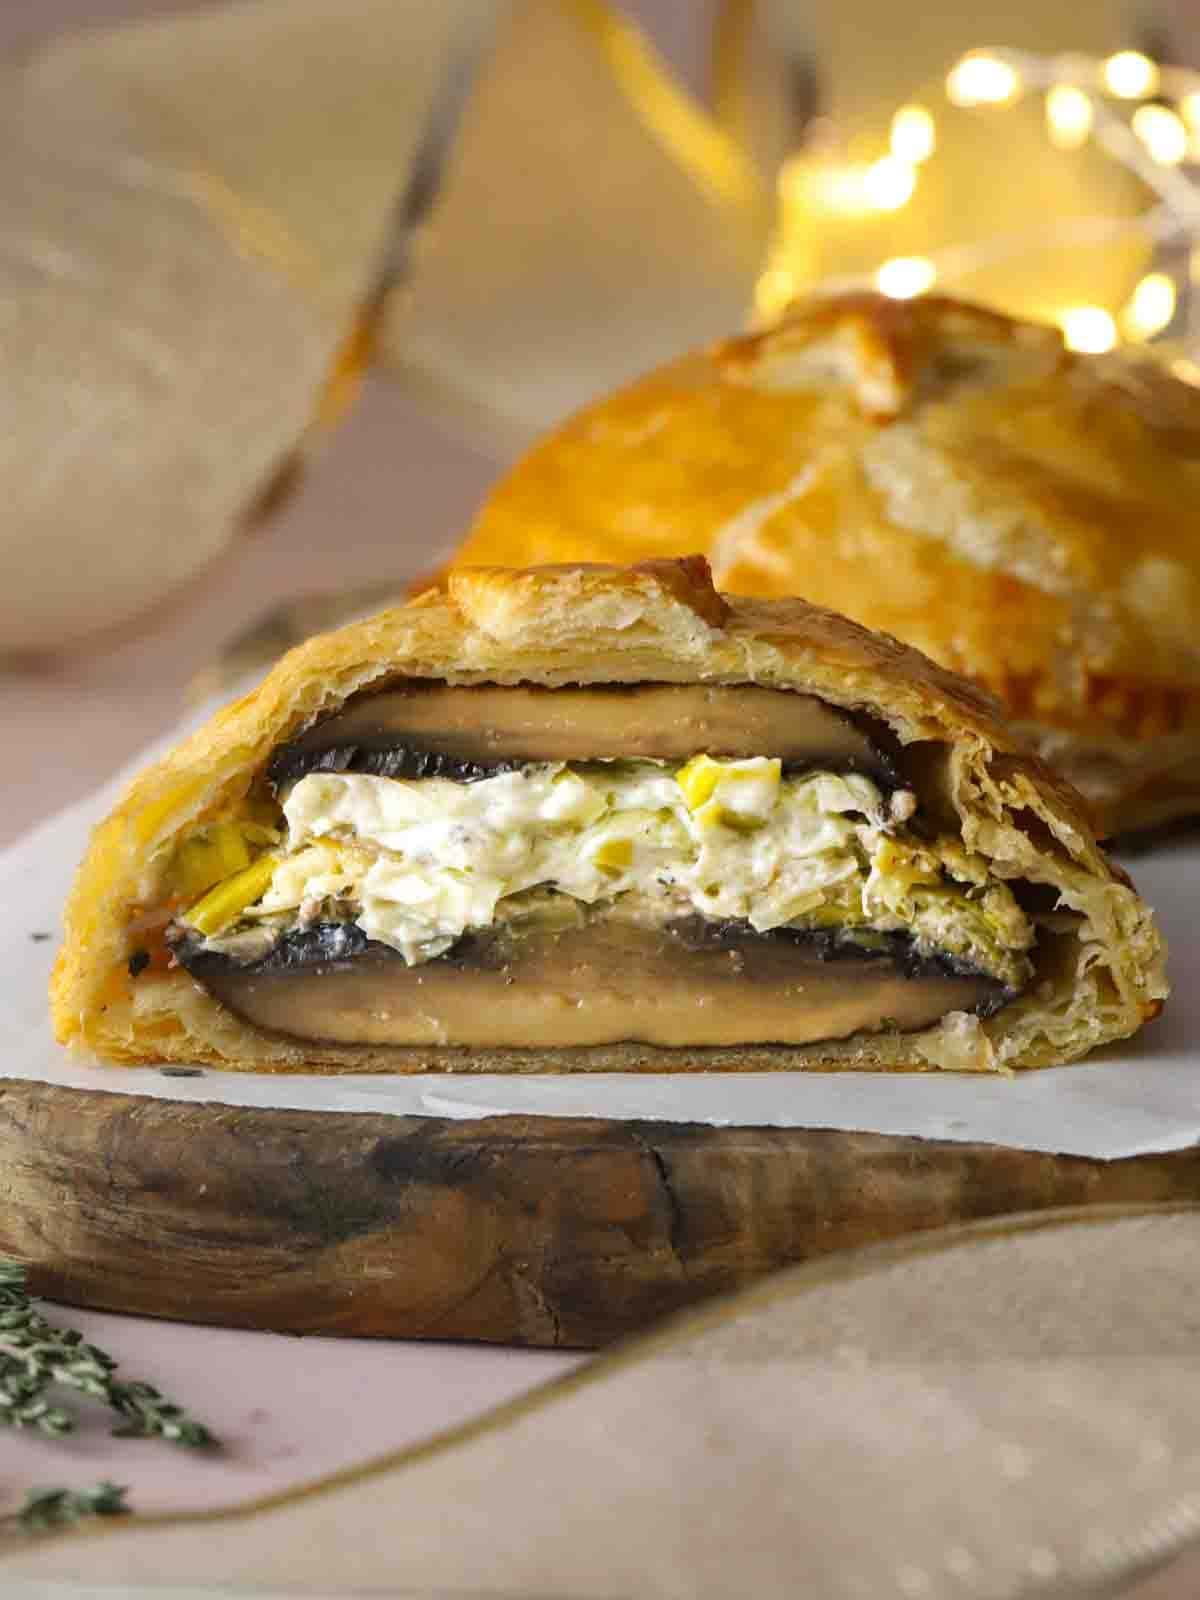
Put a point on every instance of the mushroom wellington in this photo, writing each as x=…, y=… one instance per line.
x=578, y=818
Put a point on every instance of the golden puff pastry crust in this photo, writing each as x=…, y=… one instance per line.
x=1100, y=975
x=1024, y=515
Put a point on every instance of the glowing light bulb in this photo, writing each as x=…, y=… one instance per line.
x=1190, y=106
x=1069, y=116
x=1163, y=134
x=1130, y=75
x=914, y=134
x=1088, y=328
x=841, y=189
x=889, y=183
x=983, y=81
x=905, y=277
x=1151, y=306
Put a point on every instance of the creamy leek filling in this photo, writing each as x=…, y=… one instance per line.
x=417, y=864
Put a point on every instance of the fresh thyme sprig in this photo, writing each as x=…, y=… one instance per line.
x=48, y=1509
x=148, y=1415
x=35, y=1357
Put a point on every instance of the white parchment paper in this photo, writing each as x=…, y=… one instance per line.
x=1141, y=1097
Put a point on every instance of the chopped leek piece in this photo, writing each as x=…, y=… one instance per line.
x=739, y=821
x=225, y=903
x=207, y=857
x=211, y=854
x=614, y=855
x=732, y=794
x=698, y=779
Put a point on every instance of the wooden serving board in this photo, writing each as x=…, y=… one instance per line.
x=535, y=1230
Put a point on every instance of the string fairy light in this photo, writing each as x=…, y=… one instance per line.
x=914, y=135
x=1130, y=75
x=1151, y=306
x=889, y=183
x=1069, y=116
x=1132, y=110
x=1162, y=132
x=905, y=277
x=1088, y=328
x=983, y=80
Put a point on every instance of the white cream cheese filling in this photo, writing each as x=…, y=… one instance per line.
x=419, y=863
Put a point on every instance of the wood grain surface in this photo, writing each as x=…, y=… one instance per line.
x=524, y=1230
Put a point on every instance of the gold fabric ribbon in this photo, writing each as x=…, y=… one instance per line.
x=201, y=315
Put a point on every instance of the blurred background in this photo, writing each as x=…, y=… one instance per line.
x=286, y=284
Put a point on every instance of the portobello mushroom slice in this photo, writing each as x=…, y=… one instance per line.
x=433, y=730
x=602, y=981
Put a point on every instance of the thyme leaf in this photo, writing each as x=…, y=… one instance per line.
x=48, y=1509
x=36, y=1358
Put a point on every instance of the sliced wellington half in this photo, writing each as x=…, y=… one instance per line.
x=579, y=818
